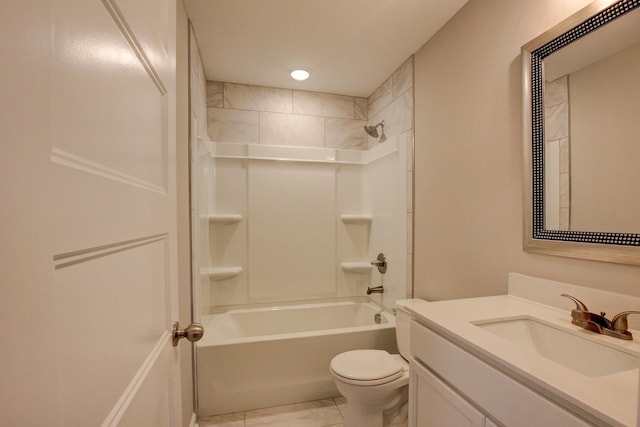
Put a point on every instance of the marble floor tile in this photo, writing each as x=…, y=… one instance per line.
x=319, y=413
x=341, y=403
x=226, y=420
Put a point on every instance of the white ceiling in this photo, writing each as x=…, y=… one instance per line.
x=349, y=46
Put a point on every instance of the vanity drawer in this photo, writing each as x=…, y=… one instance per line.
x=498, y=395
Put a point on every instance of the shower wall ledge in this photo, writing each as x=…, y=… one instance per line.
x=227, y=150
x=221, y=273
x=223, y=218
x=356, y=218
x=356, y=267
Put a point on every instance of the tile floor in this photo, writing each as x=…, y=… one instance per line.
x=319, y=413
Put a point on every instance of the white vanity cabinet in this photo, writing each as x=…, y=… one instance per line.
x=451, y=387
x=433, y=403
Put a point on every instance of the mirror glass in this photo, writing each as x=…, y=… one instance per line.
x=591, y=128
x=581, y=145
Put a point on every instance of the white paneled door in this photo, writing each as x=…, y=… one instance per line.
x=87, y=213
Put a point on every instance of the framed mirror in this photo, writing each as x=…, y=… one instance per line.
x=582, y=135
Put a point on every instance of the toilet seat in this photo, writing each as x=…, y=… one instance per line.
x=366, y=367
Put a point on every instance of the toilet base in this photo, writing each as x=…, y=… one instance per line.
x=363, y=415
x=391, y=414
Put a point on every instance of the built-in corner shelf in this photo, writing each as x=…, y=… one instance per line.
x=221, y=273
x=223, y=218
x=356, y=267
x=356, y=219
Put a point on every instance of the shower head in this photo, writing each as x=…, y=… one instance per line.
x=373, y=130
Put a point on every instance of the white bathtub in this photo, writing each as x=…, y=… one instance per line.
x=256, y=358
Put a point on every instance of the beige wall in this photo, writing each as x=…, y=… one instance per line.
x=468, y=148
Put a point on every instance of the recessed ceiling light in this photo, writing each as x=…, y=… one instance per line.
x=300, y=74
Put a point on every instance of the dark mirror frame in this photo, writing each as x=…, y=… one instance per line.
x=602, y=246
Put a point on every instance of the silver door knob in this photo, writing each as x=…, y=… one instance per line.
x=193, y=332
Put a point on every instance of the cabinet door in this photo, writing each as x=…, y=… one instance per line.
x=434, y=404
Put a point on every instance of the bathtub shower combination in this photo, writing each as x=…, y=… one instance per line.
x=284, y=238
x=255, y=358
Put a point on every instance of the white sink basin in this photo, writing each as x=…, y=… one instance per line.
x=572, y=351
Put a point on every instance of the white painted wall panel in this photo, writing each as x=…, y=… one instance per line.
x=103, y=282
x=102, y=81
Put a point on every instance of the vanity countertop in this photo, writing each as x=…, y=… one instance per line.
x=612, y=399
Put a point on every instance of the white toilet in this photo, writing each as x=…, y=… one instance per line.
x=374, y=382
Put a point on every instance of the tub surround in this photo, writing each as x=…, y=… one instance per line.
x=238, y=113
x=243, y=119
x=266, y=203
x=609, y=398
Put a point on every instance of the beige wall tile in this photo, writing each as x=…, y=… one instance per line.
x=345, y=133
x=215, y=94
x=361, y=109
x=556, y=92
x=398, y=116
x=556, y=122
x=402, y=78
x=291, y=129
x=380, y=98
x=323, y=104
x=257, y=98
x=232, y=125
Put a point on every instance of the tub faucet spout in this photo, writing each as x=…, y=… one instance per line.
x=376, y=290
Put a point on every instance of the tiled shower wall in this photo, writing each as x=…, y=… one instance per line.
x=264, y=115
x=393, y=102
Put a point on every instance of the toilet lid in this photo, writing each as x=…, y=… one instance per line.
x=367, y=366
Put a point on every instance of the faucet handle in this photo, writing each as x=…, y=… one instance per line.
x=619, y=322
x=579, y=305
x=380, y=262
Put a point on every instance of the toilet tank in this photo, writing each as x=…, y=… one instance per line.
x=403, y=319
